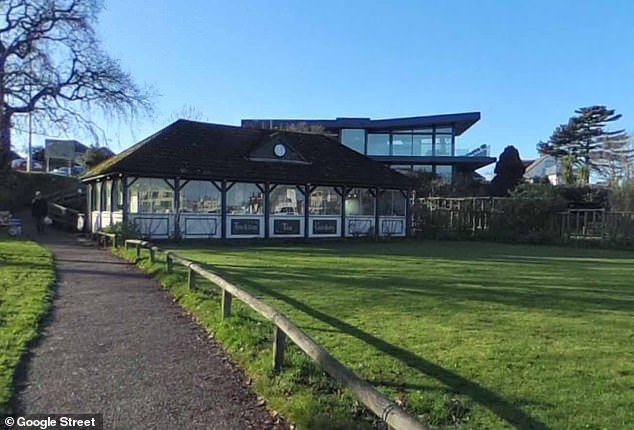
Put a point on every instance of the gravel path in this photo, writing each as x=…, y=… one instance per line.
x=116, y=344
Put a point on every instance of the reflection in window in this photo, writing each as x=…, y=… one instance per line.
x=423, y=168
x=244, y=199
x=151, y=195
x=443, y=144
x=286, y=200
x=392, y=203
x=200, y=197
x=118, y=194
x=445, y=173
x=359, y=201
x=325, y=201
x=354, y=138
x=401, y=144
x=402, y=168
x=107, y=196
x=423, y=144
x=98, y=197
x=378, y=144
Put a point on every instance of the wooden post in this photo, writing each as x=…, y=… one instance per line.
x=151, y=254
x=279, y=344
x=138, y=250
x=191, y=280
x=226, y=304
x=169, y=264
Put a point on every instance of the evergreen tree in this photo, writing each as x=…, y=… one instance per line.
x=509, y=172
x=585, y=145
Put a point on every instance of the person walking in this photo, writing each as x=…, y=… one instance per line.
x=39, y=210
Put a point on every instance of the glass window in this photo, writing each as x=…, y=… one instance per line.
x=98, y=198
x=245, y=198
x=445, y=173
x=118, y=194
x=150, y=195
x=325, y=201
x=401, y=144
x=354, y=138
x=107, y=196
x=443, y=144
x=423, y=168
x=444, y=130
x=423, y=144
x=378, y=144
x=403, y=168
x=200, y=197
x=359, y=201
x=392, y=203
x=286, y=200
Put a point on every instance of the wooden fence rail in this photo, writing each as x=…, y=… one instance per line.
x=395, y=417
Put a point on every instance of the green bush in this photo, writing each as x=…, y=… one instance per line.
x=124, y=231
x=530, y=215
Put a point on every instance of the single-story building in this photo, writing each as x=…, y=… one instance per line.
x=210, y=181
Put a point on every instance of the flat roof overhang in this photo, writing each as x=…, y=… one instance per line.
x=462, y=163
x=460, y=121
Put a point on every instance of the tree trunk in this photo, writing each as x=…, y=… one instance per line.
x=5, y=142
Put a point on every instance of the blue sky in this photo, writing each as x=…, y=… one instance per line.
x=524, y=65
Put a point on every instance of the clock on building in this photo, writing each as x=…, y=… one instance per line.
x=279, y=150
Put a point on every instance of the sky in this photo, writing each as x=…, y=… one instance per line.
x=526, y=66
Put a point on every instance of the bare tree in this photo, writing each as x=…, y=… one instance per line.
x=53, y=68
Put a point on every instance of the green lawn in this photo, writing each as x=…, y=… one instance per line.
x=492, y=336
x=26, y=279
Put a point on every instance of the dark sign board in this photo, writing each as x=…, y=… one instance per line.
x=324, y=226
x=245, y=226
x=392, y=226
x=286, y=226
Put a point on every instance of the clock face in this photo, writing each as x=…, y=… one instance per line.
x=279, y=150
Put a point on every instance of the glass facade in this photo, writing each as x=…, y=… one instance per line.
x=354, y=138
x=286, y=200
x=150, y=195
x=359, y=201
x=426, y=142
x=445, y=173
x=200, y=197
x=392, y=203
x=423, y=144
x=243, y=198
x=402, y=144
x=378, y=144
x=324, y=201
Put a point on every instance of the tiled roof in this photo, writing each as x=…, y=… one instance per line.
x=196, y=150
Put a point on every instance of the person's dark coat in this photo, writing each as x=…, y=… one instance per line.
x=39, y=208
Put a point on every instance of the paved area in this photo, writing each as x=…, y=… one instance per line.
x=116, y=344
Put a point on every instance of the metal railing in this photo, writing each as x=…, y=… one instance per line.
x=388, y=411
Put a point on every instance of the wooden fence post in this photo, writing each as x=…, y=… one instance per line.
x=169, y=264
x=279, y=344
x=191, y=280
x=138, y=250
x=151, y=251
x=226, y=304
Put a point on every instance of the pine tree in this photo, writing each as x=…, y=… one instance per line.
x=585, y=143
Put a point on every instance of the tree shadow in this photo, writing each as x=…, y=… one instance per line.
x=490, y=399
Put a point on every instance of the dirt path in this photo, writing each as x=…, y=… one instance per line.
x=116, y=344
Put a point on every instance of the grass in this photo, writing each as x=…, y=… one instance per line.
x=465, y=335
x=26, y=279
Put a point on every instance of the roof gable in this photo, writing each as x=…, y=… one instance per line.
x=277, y=149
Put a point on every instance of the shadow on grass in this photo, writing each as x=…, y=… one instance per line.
x=513, y=289
x=490, y=399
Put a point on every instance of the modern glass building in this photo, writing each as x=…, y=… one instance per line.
x=208, y=181
x=423, y=143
